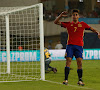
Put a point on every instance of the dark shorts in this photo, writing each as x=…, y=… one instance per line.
x=74, y=50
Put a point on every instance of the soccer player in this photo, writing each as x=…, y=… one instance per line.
x=74, y=45
x=48, y=68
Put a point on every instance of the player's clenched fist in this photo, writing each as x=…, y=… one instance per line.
x=64, y=14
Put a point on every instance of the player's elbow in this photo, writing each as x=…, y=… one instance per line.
x=55, y=22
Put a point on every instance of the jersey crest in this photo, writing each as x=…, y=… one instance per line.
x=79, y=25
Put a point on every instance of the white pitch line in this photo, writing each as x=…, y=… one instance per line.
x=14, y=81
x=69, y=85
x=50, y=82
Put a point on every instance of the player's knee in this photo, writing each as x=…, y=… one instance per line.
x=69, y=59
x=79, y=64
x=79, y=60
x=68, y=62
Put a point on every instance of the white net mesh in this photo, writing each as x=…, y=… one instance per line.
x=24, y=44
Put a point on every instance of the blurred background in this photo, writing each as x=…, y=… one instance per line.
x=89, y=13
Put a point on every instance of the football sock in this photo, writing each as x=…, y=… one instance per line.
x=50, y=66
x=67, y=69
x=80, y=72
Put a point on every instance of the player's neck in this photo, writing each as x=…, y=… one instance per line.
x=75, y=21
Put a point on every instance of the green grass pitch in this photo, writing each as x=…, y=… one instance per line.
x=91, y=77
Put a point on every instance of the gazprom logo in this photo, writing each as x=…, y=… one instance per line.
x=20, y=56
x=91, y=54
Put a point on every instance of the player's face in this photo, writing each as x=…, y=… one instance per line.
x=75, y=16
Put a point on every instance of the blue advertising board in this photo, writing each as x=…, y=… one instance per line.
x=17, y=56
x=90, y=20
x=91, y=54
x=34, y=55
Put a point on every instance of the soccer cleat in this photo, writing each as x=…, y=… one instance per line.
x=54, y=70
x=80, y=83
x=65, y=82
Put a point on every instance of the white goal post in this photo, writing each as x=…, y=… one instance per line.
x=22, y=43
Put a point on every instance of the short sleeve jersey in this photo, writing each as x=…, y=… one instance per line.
x=75, y=32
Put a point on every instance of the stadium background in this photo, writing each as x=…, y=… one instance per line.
x=89, y=13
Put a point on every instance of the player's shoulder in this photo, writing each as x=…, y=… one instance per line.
x=82, y=22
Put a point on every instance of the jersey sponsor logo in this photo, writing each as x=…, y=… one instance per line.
x=79, y=25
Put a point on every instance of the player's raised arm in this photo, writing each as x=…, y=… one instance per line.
x=63, y=14
x=93, y=30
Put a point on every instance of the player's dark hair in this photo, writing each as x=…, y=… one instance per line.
x=75, y=10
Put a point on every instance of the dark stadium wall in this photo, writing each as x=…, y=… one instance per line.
x=51, y=39
x=13, y=3
x=89, y=5
x=90, y=40
x=60, y=5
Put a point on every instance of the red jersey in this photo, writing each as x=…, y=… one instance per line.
x=75, y=32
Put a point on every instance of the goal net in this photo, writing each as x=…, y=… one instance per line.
x=21, y=43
